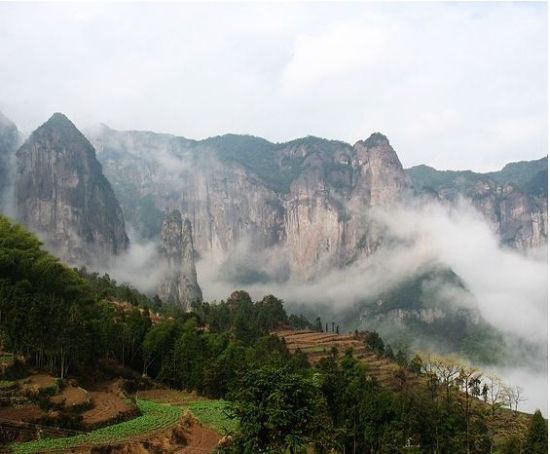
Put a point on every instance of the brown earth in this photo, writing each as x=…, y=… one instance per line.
x=71, y=396
x=107, y=407
x=26, y=413
x=317, y=345
x=170, y=396
x=200, y=440
x=187, y=437
x=37, y=382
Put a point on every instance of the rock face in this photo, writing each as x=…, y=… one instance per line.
x=9, y=141
x=513, y=200
x=310, y=197
x=179, y=285
x=62, y=195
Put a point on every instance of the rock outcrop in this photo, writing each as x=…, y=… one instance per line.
x=63, y=196
x=9, y=141
x=514, y=200
x=310, y=197
x=179, y=285
x=311, y=200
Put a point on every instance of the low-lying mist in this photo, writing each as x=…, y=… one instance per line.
x=141, y=265
x=510, y=287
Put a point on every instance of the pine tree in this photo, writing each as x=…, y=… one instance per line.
x=537, y=435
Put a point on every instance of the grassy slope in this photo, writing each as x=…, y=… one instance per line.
x=214, y=414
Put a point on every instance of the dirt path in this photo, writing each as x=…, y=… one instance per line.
x=201, y=440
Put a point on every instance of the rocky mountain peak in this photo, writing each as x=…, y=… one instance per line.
x=62, y=195
x=382, y=168
x=376, y=139
x=179, y=285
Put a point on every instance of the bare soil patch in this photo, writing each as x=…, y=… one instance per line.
x=71, y=396
x=26, y=413
x=108, y=407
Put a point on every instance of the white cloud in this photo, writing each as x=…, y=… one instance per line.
x=346, y=48
x=452, y=85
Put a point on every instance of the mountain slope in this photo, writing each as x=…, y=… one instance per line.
x=62, y=194
x=310, y=196
x=514, y=200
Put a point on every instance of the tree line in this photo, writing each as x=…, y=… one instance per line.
x=66, y=320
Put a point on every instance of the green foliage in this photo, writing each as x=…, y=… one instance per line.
x=375, y=343
x=155, y=417
x=46, y=307
x=528, y=176
x=106, y=288
x=536, y=441
x=215, y=414
x=247, y=320
x=51, y=316
x=278, y=411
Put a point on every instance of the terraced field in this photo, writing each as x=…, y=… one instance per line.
x=155, y=418
x=107, y=407
x=317, y=345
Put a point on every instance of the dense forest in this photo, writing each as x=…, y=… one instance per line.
x=68, y=321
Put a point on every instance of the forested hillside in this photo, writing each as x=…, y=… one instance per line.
x=67, y=322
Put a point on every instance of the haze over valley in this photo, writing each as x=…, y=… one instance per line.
x=206, y=209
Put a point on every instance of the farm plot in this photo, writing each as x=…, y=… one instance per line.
x=318, y=345
x=155, y=417
x=214, y=414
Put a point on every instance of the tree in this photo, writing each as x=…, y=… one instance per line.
x=190, y=355
x=278, y=410
x=401, y=358
x=536, y=441
x=318, y=325
x=493, y=393
x=516, y=393
x=375, y=343
x=388, y=353
x=415, y=365
x=158, y=342
x=47, y=310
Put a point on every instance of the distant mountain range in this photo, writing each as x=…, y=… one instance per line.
x=260, y=211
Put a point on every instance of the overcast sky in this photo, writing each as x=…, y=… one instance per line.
x=452, y=85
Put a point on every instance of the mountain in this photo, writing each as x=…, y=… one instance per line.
x=62, y=194
x=310, y=196
x=9, y=141
x=514, y=200
x=179, y=285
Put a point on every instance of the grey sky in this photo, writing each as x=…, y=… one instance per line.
x=453, y=85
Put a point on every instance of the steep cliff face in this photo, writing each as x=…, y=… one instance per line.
x=9, y=141
x=310, y=197
x=179, y=285
x=514, y=200
x=62, y=194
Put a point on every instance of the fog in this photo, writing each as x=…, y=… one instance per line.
x=141, y=265
x=510, y=287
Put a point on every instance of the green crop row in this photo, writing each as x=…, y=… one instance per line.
x=215, y=414
x=155, y=417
